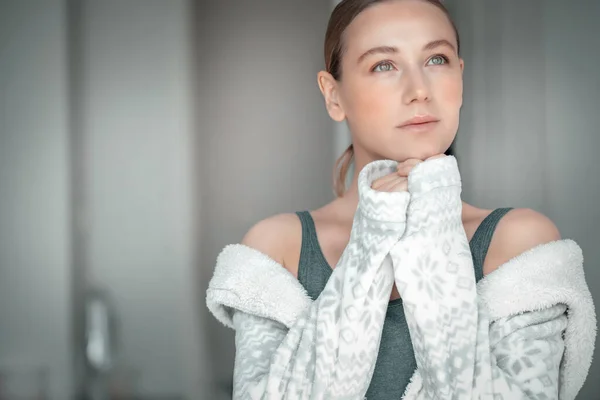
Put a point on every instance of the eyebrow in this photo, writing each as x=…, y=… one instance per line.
x=394, y=50
x=439, y=43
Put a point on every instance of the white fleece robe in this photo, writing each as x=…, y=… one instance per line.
x=525, y=331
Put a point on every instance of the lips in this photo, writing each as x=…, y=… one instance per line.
x=418, y=120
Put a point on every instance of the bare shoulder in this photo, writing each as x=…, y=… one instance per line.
x=279, y=237
x=519, y=230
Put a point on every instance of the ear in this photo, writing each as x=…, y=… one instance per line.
x=329, y=88
x=462, y=70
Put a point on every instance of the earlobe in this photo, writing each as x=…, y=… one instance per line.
x=329, y=88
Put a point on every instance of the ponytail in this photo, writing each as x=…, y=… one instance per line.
x=340, y=172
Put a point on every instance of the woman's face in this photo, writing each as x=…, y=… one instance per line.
x=399, y=62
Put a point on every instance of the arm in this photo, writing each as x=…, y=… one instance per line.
x=330, y=351
x=458, y=353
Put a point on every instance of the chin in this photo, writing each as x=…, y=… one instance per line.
x=419, y=154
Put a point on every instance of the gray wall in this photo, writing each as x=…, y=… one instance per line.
x=573, y=140
x=35, y=278
x=267, y=142
x=136, y=113
x=124, y=76
x=181, y=140
x=529, y=125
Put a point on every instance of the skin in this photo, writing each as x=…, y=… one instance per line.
x=375, y=96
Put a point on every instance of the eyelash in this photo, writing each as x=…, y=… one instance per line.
x=446, y=61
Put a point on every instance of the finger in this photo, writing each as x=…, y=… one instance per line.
x=411, y=162
x=383, y=183
x=405, y=168
x=395, y=185
x=386, y=186
x=400, y=185
x=383, y=180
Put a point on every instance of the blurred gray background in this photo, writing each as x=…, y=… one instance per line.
x=138, y=137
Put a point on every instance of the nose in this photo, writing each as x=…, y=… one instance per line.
x=416, y=88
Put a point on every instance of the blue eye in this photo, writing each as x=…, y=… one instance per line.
x=384, y=66
x=438, y=60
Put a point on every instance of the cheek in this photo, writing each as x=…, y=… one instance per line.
x=449, y=92
x=448, y=95
x=367, y=102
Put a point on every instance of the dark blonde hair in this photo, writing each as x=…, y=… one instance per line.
x=342, y=15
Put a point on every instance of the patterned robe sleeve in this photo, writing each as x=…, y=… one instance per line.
x=460, y=353
x=330, y=351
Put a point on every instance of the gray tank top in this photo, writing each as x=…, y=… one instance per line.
x=395, y=363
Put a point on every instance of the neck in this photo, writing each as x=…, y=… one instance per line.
x=350, y=197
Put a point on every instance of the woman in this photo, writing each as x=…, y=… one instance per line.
x=430, y=297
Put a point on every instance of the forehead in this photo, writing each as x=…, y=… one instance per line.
x=401, y=23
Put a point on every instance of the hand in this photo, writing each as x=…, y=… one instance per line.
x=393, y=182
x=406, y=166
x=398, y=181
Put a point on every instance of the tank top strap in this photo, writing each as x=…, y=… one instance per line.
x=313, y=270
x=480, y=242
